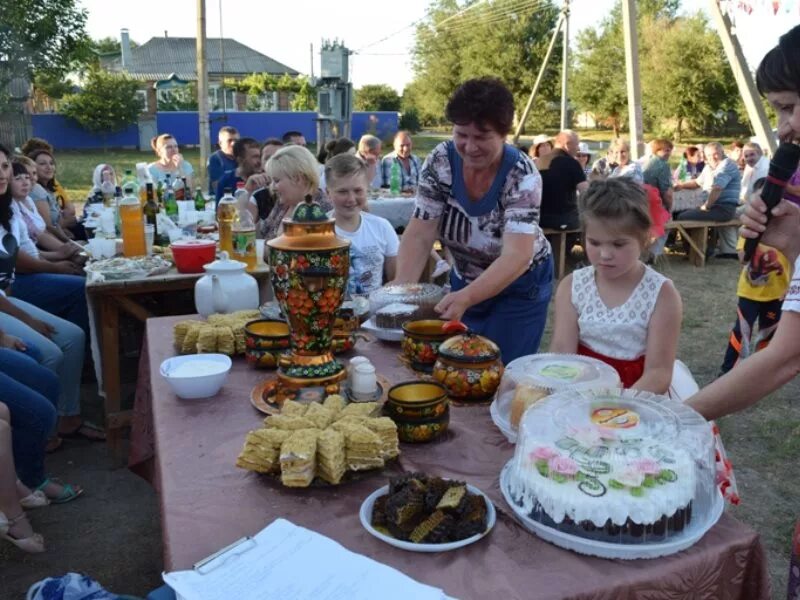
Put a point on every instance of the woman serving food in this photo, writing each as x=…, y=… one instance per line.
x=481, y=197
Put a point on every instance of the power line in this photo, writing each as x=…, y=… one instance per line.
x=417, y=22
x=488, y=13
x=536, y=5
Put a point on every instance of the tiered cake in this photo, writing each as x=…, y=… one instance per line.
x=626, y=468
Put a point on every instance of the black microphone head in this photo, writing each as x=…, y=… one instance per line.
x=784, y=163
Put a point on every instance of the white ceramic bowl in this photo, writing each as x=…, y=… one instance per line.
x=196, y=375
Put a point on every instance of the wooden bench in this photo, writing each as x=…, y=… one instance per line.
x=694, y=232
x=558, y=242
x=696, y=235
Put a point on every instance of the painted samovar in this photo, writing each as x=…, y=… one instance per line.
x=309, y=266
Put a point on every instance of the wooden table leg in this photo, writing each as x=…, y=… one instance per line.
x=699, y=235
x=109, y=325
x=558, y=242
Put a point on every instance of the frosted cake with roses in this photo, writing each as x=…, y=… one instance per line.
x=623, y=467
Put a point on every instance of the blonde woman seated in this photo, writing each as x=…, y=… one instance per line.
x=294, y=174
x=170, y=161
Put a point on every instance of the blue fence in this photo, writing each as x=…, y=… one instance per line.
x=66, y=134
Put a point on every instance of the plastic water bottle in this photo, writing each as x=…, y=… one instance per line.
x=394, y=178
x=243, y=232
x=130, y=181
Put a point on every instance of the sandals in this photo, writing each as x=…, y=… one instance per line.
x=82, y=432
x=68, y=491
x=33, y=544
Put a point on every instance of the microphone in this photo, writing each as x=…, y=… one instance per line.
x=781, y=168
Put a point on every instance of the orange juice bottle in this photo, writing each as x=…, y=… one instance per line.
x=226, y=215
x=132, y=224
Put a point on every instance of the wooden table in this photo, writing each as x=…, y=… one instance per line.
x=108, y=300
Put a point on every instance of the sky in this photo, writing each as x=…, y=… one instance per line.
x=379, y=31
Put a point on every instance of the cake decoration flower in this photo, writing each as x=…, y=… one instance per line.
x=562, y=468
x=647, y=466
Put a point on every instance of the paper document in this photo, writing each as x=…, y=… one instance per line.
x=286, y=561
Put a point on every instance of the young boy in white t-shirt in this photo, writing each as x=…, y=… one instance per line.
x=373, y=241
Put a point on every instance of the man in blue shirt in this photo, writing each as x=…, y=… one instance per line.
x=722, y=182
x=247, y=151
x=222, y=160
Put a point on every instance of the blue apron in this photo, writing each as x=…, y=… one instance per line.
x=514, y=319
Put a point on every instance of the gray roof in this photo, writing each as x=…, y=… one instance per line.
x=161, y=57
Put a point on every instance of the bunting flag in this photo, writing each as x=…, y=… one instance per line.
x=750, y=7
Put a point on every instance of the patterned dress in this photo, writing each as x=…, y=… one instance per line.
x=617, y=336
x=473, y=232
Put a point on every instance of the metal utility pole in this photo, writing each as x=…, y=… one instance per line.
x=744, y=79
x=539, y=77
x=632, y=77
x=202, y=91
x=565, y=70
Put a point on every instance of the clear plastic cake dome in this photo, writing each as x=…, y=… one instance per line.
x=615, y=473
x=528, y=379
x=425, y=295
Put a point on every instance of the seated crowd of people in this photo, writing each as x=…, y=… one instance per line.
x=726, y=181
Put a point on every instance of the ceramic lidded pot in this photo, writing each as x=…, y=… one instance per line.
x=468, y=365
x=225, y=288
x=421, y=340
x=420, y=409
x=309, y=266
x=266, y=340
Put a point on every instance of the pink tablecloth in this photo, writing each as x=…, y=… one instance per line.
x=207, y=503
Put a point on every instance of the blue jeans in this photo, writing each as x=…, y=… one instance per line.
x=61, y=295
x=63, y=354
x=31, y=392
x=515, y=318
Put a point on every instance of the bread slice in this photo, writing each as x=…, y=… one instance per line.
x=524, y=396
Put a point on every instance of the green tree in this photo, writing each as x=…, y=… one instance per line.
x=107, y=103
x=109, y=45
x=305, y=98
x=498, y=38
x=687, y=79
x=40, y=36
x=377, y=97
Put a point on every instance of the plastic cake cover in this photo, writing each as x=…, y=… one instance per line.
x=407, y=293
x=622, y=435
x=550, y=372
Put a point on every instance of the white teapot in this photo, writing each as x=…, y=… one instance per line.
x=225, y=288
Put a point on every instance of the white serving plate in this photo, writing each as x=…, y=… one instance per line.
x=365, y=514
x=387, y=335
x=678, y=542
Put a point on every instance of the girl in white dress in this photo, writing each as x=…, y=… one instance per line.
x=619, y=310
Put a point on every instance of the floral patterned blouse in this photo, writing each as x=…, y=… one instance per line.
x=473, y=231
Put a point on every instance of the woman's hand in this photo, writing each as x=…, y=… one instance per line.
x=67, y=251
x=783, y=230
x=11, y=341
x=41, y=327
x=454, y=305
x=177, y=160
x=67, y=267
